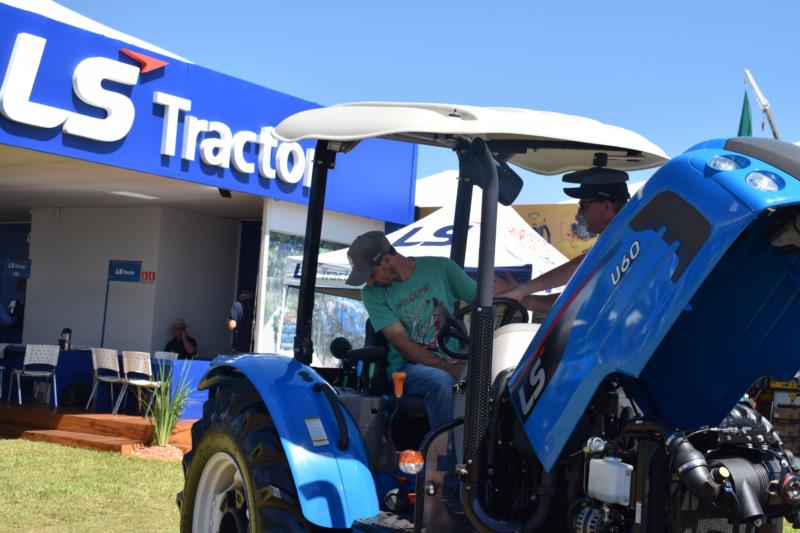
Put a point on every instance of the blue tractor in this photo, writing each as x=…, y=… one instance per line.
x=619, y=412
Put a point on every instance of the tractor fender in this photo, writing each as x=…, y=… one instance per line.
x=329, y=466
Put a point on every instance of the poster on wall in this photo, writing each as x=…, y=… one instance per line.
x=559, y=226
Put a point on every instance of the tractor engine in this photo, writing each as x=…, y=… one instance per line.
x=623, y=471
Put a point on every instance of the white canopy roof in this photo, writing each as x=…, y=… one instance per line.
x=517, y=245
x=439, y=124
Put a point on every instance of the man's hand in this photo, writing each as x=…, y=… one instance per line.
x=415, y=353
x=503, y=285
x=231, y=324
x=456, y=369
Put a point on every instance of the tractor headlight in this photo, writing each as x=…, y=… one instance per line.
x=762, y=180
x=727, y=162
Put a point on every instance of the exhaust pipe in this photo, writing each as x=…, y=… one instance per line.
x=479, y=374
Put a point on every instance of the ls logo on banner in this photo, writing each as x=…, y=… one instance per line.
x=219, y=146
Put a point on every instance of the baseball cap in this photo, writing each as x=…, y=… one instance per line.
x=598, y=183
x=179, y=323
x=364, y=254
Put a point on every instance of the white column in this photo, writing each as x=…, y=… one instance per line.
x=261, y=334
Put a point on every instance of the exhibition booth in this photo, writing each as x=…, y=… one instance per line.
x=137, y=188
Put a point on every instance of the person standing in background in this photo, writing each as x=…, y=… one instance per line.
x=240, y=321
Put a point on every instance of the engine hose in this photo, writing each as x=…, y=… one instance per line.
x=692, y=468
x=547, y=490
x=485, y=523
x=690, y=464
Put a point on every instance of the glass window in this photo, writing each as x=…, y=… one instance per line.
x=334, y=316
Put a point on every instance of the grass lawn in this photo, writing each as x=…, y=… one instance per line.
x=48, y=487
x=51, y=488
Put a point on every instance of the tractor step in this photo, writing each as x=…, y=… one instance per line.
x=382, y=523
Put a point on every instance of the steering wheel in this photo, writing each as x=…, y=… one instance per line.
x=454, y=326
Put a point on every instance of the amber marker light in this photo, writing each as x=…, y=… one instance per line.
x=411, y=461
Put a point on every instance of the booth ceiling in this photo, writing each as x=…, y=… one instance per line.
x=30, y=179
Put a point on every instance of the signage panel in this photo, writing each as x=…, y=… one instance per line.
x=129, y=271
x=17, y=268
x=78, y=94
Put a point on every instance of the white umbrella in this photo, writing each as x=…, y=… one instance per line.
x=518, y=245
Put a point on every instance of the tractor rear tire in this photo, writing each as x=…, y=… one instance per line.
x=237, y=477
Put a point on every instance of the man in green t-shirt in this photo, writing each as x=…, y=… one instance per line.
x=408, y=299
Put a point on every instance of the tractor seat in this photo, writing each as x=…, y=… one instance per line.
x=375, y=351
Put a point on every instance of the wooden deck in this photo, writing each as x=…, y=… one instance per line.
x=96, y=431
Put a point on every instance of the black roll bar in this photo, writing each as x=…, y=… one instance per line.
x=458, y=249
x=324, y=160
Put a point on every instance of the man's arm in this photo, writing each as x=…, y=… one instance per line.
x=539, y=304
x=236, y=313
x=414, y=353
x=553, y=278
x=190, y=347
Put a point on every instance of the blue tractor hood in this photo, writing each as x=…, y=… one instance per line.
x=689, y=296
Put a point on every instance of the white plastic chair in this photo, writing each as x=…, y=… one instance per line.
x=106, y=369
x=2, y=367
x=37, y=355
x=137, y=372
x=166, y=356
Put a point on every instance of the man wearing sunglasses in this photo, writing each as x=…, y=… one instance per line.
x=408, y=300
x=601, y=194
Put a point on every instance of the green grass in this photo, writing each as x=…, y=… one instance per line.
x=51, y=488
x=47, y=487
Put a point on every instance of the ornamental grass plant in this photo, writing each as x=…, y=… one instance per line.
x=171, y=398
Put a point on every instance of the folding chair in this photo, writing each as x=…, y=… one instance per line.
x=36, y=357
x=106, y=369
x=2, y=368
x=137, y=372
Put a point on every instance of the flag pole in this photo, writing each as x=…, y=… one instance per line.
x=763, y=103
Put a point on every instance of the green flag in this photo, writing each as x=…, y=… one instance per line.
x=745, y=122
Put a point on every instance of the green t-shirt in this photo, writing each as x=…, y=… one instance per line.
x=420, y=303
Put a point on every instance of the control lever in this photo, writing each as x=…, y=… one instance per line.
x=399, y=380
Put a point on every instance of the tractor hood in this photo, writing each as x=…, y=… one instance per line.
x=554, y=142
x=689, y=296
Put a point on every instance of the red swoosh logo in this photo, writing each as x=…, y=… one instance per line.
x=146, y=63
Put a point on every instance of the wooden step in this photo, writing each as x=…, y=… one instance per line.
x=75, y=439
x=182, y=434
x=135, y=428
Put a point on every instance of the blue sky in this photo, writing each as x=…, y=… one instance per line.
x=672, y=71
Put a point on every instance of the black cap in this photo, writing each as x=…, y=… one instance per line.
x=598, y=183
x=364, y=254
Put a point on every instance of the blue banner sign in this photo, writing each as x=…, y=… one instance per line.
x=130, y=271
x=81, y=95
x=17, y=268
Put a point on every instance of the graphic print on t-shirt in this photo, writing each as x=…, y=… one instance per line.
x=423, y=316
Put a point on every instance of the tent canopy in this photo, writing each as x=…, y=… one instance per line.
x=520, y=249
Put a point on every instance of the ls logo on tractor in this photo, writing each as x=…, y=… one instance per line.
x=536, y=380
x=625, y=264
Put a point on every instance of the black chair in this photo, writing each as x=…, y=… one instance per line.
x=406, y=423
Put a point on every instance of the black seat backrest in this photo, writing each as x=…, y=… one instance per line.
x=380, y=383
